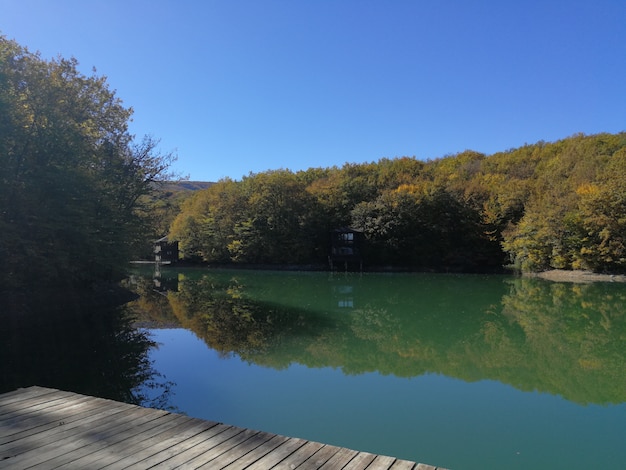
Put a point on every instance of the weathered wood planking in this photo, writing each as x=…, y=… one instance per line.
x=42, y=428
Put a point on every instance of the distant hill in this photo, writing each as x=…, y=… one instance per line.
x=177, y=186
x=164, y=203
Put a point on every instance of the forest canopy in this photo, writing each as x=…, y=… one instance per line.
x=541, y=206
x=72, y=176
x=78, y=199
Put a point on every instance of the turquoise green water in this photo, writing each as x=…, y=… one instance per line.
x=464, y=372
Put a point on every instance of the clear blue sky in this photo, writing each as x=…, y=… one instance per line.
x=240, y=86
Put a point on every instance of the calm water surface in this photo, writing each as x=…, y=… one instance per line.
x=465, y=372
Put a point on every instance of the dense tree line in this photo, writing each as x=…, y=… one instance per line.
x=71, y=175
x=73, y=205
x=540, y=206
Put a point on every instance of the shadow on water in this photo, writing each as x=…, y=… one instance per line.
x=563, y=339
x=74, y=341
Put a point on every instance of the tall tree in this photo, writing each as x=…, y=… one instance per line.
x=279, y=227
x=71, y=174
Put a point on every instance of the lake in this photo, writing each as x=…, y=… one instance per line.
x=461, y=371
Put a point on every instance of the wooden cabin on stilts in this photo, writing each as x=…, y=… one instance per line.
x=346, y=249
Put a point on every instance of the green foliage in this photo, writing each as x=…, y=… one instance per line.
x=206, y=223
x=546, y=205
x=266, y=218
x=71, y=174
x=418, y=229
x=163, y=203
x=603, y=217
x=573, y=216
x=74, y=204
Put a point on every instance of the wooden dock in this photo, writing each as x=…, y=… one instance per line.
x=43, y=428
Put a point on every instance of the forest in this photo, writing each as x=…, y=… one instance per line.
x=80, y=197
x=547, y=205
x=72, y=177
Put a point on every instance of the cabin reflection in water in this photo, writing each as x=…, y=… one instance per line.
x=343, y=296
x=164, y=281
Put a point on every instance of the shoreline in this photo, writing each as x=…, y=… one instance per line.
x=577, y=276
x=556, y=275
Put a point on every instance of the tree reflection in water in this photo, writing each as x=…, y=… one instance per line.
x=559, y=338
x=73, y=341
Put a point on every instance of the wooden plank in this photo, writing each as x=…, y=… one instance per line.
x=26, y=441
x=36, y=410
x=22, y=394
x=177, y=445
x=50, y=418
x=43, y=403
x=200, y=455
x=19, y=403
x=51, y=426
x=320, y=457
x=299, y=456
x=260, y=457
x=360, y=462
x=257, y=453
x=402, y=465
x=166, y=428
x=70, y=440
x=53, y=411
x=199, y=446
x=340, y=459
x=87, y=426
x=87, y=454
x=245, y=448
x=277, y=455
x=44, y=428
x=381, y=462
x=157, y=444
